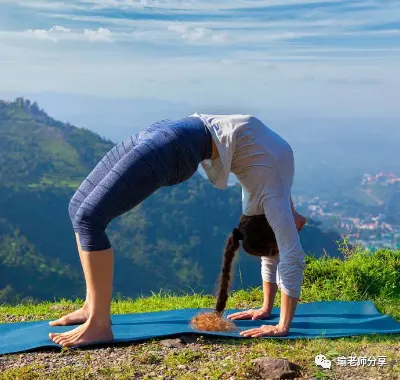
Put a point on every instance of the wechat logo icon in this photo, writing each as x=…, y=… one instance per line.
x=322, y=361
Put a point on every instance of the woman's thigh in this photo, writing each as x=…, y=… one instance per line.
x=135, y=176
x=141, y=164
x=104, y=166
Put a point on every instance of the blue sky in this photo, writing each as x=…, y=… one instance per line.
x=328, y=57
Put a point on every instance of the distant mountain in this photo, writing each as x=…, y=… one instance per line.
x=374, y=195
x=172, y=241
x=36, y=149
x=114, y=118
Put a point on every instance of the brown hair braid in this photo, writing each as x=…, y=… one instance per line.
x=258, y=240
x=214, y=321
x=231, y=247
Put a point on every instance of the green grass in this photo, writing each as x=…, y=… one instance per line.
x=165, y=301
x=46, y=182
x=360, y=276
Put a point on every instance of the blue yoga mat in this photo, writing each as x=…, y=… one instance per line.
x=330, y=319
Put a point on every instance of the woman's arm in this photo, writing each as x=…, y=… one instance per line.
x=269, y=269
x=288, y=308
x=291, y=265
x=268, y=273
x=279, y=214
x=269, y=289
x=264, y=312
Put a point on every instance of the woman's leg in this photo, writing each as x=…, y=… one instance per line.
x=98, y=270
x=89, y=183
x=130, y=181
x=81, y=315
x=153, y=163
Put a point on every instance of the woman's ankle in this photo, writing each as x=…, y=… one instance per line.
x=100, y=319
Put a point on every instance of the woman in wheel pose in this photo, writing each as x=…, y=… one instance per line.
x=166, y=154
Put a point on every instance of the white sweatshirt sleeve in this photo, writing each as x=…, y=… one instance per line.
x=269, y=268
x=291, y=264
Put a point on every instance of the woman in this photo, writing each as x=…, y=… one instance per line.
x=168, y=153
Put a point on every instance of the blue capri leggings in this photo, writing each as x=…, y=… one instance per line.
x=164, y=154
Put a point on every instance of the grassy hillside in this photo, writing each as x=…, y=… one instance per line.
x=25, y=270
x=359, y=277
x=38, y=150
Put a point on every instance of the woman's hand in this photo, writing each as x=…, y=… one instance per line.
x=252, y=314
x=265, y=330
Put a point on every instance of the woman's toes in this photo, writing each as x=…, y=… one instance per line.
x=56, y=340
x=85, y=334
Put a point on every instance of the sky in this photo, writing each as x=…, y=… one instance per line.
x=318, y=57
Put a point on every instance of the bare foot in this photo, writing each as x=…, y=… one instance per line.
x=75, y=318
x=88, y=333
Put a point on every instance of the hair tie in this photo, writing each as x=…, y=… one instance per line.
x=237, y=235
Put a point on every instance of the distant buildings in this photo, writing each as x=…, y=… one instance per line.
x=380, y=178
x=369, y=227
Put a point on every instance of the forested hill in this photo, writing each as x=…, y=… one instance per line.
x=37, y=149
x=172, y=241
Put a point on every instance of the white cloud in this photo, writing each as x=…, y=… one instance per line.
x=45, y=5
x=241, y=28
x=123, y=4
x=195, y=33
x=79, y=4
x=102, y=34
x=58, y=28
x=239, y=70
x=53, y=34
x=243, y=83
x=389, y=32
x=236, y=23
x=58, y=33
x=199, y=5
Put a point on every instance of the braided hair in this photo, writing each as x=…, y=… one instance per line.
x=259, y=240
x=231, y=247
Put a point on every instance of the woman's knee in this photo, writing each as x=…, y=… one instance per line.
x=73, y=208
x=87, y=219
x=91, y=227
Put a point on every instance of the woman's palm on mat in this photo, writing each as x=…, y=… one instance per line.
x=265, y=330
x=252, y=314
